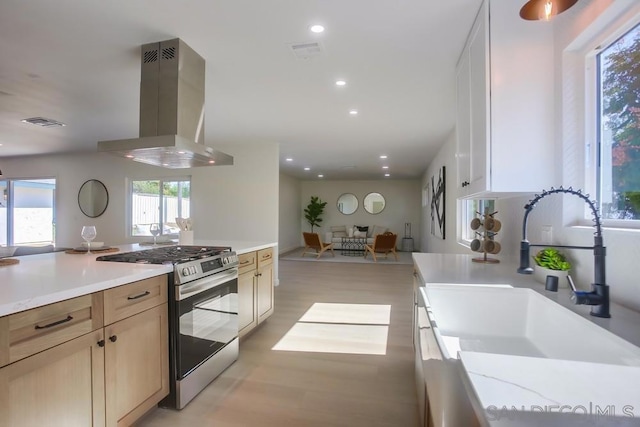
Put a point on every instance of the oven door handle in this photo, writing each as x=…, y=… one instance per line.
x=193, y=288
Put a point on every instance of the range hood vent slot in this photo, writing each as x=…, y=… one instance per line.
x=172, y=92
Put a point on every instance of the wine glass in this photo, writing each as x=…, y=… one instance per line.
x=155, y=230
x=88, y=234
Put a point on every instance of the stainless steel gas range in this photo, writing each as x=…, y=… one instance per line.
x=203, y=314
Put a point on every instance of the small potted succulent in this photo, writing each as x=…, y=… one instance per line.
x=551, y=262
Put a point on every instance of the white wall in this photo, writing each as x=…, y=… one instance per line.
x=238, y=202
x=290, y=213
x=623, y=246
x=403, y=200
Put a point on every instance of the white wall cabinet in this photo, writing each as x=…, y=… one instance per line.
x=95, y=360
x=505, y=102
x=255, y=289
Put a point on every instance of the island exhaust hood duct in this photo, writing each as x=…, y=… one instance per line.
x=171, y=111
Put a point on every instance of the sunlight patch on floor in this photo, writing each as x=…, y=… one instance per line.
x=340, y=328
x=360, y=314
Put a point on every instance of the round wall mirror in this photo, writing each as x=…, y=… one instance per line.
x=347, y=203
x=374, y=203
x=93, y=198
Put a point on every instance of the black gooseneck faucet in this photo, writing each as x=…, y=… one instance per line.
x=598, y=298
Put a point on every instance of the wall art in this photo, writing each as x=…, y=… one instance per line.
x=438, y=203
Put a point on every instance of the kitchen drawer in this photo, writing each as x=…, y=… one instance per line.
x=133, y=298
x=247, y=262
x=28, y=332
x=265, y=257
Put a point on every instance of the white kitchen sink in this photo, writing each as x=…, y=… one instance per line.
x=518, y=322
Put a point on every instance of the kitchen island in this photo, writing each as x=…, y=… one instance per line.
x=85, y=342
x=504, y=389
x=48, y=278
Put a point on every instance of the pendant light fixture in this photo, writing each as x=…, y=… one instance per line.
x=544, y=10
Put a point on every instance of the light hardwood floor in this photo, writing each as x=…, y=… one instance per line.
x=268, y=387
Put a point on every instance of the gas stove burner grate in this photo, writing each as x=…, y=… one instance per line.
x=167, y=254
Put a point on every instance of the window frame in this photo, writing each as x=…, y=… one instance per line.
x=129, y=203
x=465, y=234
x=10, y=223
x=608, y=35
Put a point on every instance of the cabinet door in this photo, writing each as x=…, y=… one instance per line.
x=62, y=386
x=463, y=123
x=136, y=365
x=247, y=316
x=479, y=101
x=265, y=292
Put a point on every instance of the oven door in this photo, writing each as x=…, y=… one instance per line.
x=207, y=311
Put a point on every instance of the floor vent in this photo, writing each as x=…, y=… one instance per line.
x=45, y=123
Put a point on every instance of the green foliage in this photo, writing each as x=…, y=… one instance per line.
x=169, y=188
x=621, y=107
x=552, y=259
x=314, y=211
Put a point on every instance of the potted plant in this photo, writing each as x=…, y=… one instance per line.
x=314, y=211
x=551, y=262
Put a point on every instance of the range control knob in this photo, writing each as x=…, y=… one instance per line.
x=225, y=261
x=185, y=271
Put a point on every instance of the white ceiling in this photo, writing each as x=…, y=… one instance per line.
x=77, y=61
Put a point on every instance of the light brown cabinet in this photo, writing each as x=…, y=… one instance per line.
x=136, y=349
x=96, y=360
x=62, y=386
x=255, y=289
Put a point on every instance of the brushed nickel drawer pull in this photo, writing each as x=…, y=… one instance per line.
x=144, y=294
x=245, y=262
x=59, y=322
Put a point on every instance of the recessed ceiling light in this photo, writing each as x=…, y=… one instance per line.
x=181, y=152
x=165, y=164
x=211, y=162
x=387, y=174
x=383, y=156
x=340, y=83
x=289, y=159
x=129, y=156
x=307, y=169
x=353, y=112
x=385, y=167
x=320, y=176
x=317, y=28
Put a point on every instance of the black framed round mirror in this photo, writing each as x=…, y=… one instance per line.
x=374, y=203
x=347, y=203
x=93, y=198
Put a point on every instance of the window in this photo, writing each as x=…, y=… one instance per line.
x=618, y=127
x=27, y=212
x=159, y=201
x=472, y=209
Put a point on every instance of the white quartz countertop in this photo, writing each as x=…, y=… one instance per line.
x=43, y=279
x=524, y=391
x=498, y=383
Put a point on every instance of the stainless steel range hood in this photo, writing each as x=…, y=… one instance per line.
x=171, y=111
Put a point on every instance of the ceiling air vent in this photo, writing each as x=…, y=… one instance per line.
x=45, y=123
x=306, y=50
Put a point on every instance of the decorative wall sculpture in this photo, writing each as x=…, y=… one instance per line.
x=437, y=186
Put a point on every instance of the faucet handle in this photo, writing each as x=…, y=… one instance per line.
x=571, y=284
